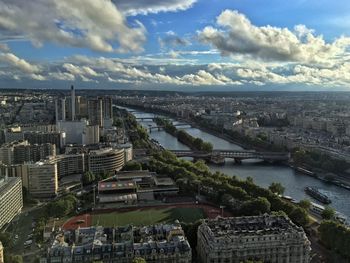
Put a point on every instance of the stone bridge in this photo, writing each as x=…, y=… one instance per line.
x=238, y=156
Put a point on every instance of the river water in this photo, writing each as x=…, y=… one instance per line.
x=263, y=174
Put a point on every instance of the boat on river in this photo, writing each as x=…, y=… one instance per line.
x=315, y=193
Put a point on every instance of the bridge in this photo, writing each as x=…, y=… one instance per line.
x=150, y=127
x=145, y=118
x=238, y=156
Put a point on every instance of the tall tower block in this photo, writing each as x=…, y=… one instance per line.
x=73, y=102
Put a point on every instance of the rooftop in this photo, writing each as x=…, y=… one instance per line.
x=7, y=183
x=246, y=225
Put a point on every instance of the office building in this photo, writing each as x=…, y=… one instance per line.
x=106, y=160
x=74, y=130
x=2, y=260
x=11, y=200
x=91, y=134
x=39, y=137
x=156, y=244
x=42, y=179
x=100, y=111
x=21, y=151
x=33, y=153
x=70, y=164
x=268, y=238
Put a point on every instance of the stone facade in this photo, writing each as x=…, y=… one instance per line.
x=273, y=239
x=158, y=243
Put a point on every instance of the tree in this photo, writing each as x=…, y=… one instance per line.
x=299, y=216
x=138, y=260
x=5, y=239
x=256, y=206
x=88, y=178
x=277, y=188
x=132, y=166
x=13, y=258
x=328, y=213
x=306, y=204
x=250, y=180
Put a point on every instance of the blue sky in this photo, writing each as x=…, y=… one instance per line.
x=175, y=44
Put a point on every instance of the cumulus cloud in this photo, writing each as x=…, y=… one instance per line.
x=18, y=63
x=98, y=25
x=171, y=39
x=236, y=34
x=154, y=6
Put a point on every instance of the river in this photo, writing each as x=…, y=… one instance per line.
x=263, y=174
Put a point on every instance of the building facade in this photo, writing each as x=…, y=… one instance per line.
x=42, y=179
x=1, y=253
x=106, y=160
x=156, y=244
x=19, y=152
x=11, y=199
x=268, y=238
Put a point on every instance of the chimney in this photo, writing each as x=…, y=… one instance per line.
x=63, y=107
x=56, y=110
x=73, y=102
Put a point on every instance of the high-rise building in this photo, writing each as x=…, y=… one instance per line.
x=1, y=253
x=100, y=111
x=72, y=103
x=20, y=152
x=39, y=137
x=73, y=129
x=95, y=111
x=42, y=179
x=268, y=238
x=91, y=134
x=11, y=200
x=33, y=153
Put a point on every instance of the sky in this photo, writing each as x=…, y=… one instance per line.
x=186, y=45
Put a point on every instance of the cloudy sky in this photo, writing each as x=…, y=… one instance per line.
x=175, y=44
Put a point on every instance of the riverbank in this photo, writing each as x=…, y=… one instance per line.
x=321, y=175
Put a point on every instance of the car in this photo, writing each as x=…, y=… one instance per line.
x=16, y=236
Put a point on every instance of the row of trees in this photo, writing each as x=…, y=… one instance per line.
x=7, y=242
x=243, y=197
x=316, y=159
x=89, y=177
x=138, y=135
x=336, y=237
x=260, y=142
x=187, y=139
x=59, y=208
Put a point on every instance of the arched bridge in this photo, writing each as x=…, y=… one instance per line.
x=237, y=155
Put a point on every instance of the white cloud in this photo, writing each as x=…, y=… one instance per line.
x=135, y=7
x=237, y=35
x=97, y=25
x=18, y=63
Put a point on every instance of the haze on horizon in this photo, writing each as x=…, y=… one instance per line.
x=175, y=44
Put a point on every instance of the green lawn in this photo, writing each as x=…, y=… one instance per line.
x=148, y=217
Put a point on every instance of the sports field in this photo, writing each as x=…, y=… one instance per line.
x=148, y=216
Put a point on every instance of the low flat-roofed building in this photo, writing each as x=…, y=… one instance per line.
x=269, y=238
x=117, y=191
x=147, y=186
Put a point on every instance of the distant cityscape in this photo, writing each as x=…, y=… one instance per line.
x=83, y=177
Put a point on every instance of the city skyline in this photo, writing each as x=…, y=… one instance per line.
x=186, y=45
